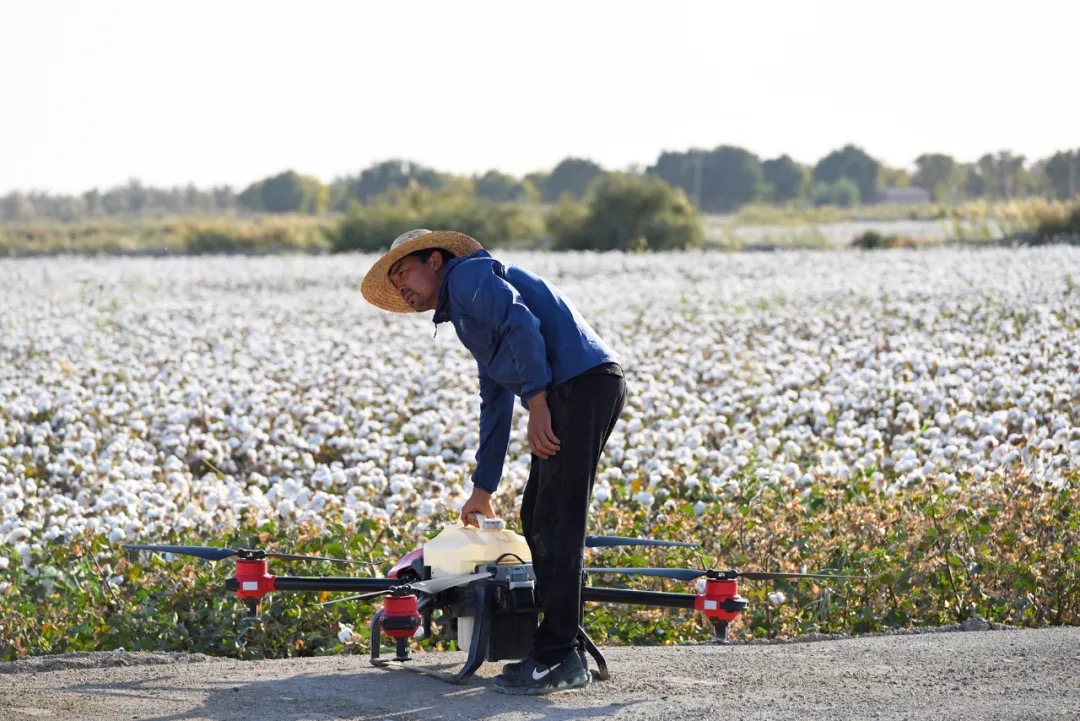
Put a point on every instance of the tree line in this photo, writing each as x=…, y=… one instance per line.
x=720, y=180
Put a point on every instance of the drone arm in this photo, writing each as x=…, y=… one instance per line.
x=640, y=598
x=721, y=602
x=252, y=582
x=335, y=584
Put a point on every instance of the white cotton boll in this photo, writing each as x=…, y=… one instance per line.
x=612, y=474
x=700, y=507
x=4, y=563
x=645, y=498
x=400, y=485
x=700, y=586
x=683, y=456
x=117, y=534
x=602, y=493
x=345, y=633
x=21, y=533
x=776, y=598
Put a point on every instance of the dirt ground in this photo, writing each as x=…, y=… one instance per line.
x=973, y=675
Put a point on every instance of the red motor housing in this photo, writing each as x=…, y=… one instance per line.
x=721, y=600
x=252, y=579
x=400, y=617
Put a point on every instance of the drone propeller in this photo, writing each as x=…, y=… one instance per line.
x=687, y=574
x=430, y=587
x=213, y=553
x=608, y=541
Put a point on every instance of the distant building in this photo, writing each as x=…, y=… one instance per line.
x=911, y=195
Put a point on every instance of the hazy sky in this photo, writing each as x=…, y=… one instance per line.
x=225, y=92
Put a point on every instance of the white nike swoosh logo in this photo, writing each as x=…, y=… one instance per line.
x=538, y=676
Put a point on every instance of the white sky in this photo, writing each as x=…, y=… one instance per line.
x=221, y=91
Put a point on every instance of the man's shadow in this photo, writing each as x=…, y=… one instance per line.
x=375, y=694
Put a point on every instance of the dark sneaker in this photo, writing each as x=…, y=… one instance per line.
x=511, y=668
x=531, y=677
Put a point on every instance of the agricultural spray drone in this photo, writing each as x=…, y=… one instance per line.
x=482, y=582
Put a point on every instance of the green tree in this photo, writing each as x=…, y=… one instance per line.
x=287, y=192
x=788, y=180
x=381, y=178
x=894, y=177
x=137, y=196
x=999, y=176
x=316, y=195
x=372, y=227
x=539, y=181
x=680, y=170
x=843, y=193
x=853, y=163
x=572, y=177
x=630, y=212
x=719, y=180
x=92, y=199
x=1062, y=170
x=502, y=188
x=565, y=222
x=938, y=174
x=280, y=193
x=731, y=177
x=16, y=206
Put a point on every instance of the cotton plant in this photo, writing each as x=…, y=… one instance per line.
x=143, y=395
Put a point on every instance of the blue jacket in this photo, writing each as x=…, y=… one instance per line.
x=526, y=337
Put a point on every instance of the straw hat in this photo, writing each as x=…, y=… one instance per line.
x=377, y=288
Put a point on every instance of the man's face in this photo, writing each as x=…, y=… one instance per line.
x=418, y=282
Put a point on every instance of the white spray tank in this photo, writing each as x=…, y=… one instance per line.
x=459, y=549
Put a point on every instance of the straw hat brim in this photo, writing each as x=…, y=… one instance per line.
x=376, y=285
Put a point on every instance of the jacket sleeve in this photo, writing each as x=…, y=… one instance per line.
x=499, y=305
x=496, y=412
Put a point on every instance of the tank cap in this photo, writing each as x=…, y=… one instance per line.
x=492, y=524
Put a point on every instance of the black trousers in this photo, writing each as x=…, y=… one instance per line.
x=555, y=507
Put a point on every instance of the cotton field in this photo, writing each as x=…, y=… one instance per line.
x=140, y=395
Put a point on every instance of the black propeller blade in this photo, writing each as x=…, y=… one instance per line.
x=608, y=541
x=430, y=587
x=294, y=557
x=213, y=553
x=766, y=575
x=679, y=574
x=687, y=574
x=210, y=553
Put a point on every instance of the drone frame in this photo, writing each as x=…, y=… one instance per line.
x=484, y=591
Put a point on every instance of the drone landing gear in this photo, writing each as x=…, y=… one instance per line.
x=720, y=627
x=496, y=635
x=600, y=673
x=481, y=637
x=401, y=645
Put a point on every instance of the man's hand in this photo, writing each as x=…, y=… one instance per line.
x=479, y=502
x=542, y=439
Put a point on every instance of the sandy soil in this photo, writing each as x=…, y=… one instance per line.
x=977, y=675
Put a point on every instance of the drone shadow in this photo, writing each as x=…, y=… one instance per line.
x=374, y=694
